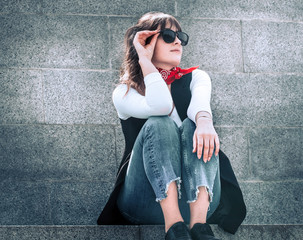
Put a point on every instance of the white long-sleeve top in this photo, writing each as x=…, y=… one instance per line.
x=158, y=100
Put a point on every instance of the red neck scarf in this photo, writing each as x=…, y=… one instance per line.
x=170, y=76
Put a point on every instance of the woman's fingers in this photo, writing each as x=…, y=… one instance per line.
x=205, y=150
x=200, y=148
x=154, y=40
x=207, y=140
x=206, y=145
x=141, y=36
x=147, y=33
x=151, y=46
x=139, y=42
x=211, y=148
x=195, y=142
x=217, y=142
x=198, y=143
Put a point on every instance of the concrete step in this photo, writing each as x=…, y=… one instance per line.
x=43, y=232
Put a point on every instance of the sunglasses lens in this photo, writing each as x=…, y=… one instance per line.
x=183, y=38
x=168, y=35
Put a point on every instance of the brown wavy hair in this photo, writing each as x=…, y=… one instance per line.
x=130, y=72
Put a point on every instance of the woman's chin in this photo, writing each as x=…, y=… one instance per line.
x=167, y=63
x=176, y=63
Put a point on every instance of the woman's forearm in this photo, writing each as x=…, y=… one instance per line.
x=147, y=66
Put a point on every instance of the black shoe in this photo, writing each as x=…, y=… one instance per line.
x=202, y=232
x=178, y=231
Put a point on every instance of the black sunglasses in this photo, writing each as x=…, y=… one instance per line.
x=169, y=36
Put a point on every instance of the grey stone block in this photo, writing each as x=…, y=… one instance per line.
x=45, y=41
x=152, y=232
x=257, y=99
x=57, y=152
x=21, y=99
x=79, y=97
x=234, y=143
x=214, y=45
x=272, y=46
x=95, y=233
x=273, y=202
x=264, y=232
x=243, y=9
x=24, y=203
x=118, y=27
x=20, y=6
x=107, y=7
x=78, y=203
x=276, y=153
x=24, y=233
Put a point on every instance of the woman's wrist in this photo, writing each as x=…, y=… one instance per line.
x=144, y=61
x=147, y=66
x=203, y=116
x=203, y=121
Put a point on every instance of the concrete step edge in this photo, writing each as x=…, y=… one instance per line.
x=142, y=232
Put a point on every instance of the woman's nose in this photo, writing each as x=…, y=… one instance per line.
x=177, y=40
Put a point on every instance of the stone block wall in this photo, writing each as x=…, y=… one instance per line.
x=60, y=139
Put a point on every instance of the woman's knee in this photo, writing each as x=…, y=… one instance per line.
x=160, y=123
x=163, y=129
x=188, y=128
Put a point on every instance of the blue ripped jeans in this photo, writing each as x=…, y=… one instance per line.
x=162, y=153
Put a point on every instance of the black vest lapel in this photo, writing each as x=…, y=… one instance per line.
x=181, y=94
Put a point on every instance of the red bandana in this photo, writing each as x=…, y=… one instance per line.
x=176, y=73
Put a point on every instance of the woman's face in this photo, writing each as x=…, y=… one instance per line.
x=167, y=55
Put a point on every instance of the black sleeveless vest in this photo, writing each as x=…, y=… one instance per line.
x=231, y=211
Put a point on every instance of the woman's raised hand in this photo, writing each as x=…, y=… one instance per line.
x=143, y=49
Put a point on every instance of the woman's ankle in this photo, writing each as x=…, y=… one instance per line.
x=191, y=224
x=170, y=223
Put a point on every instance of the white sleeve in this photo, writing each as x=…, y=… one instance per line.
x=156, y=102
x=200, y=88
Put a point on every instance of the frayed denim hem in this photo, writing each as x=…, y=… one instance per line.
x=178, y=180
x=210, y=194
